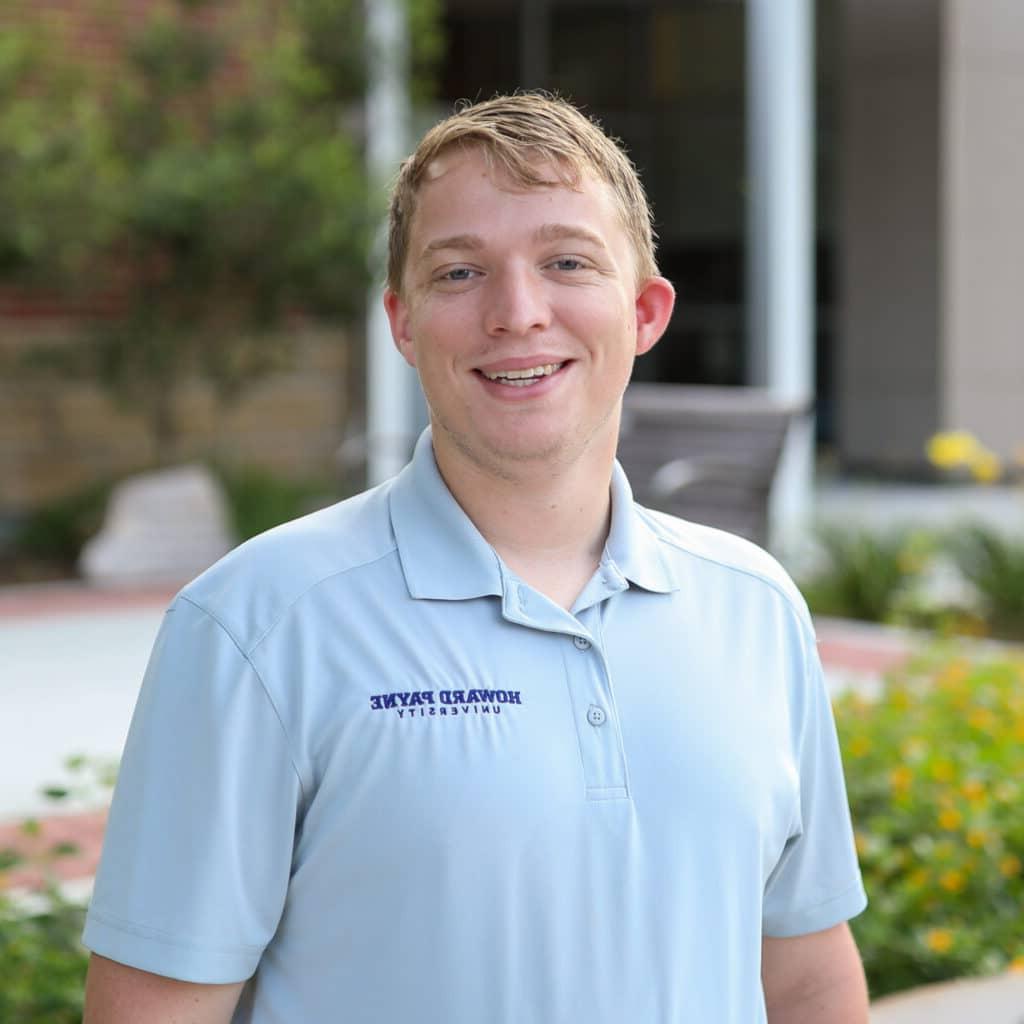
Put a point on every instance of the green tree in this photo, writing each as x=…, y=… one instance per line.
x=196, y=190
x=48, y=157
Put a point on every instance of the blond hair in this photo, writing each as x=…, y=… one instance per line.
x=519, y=134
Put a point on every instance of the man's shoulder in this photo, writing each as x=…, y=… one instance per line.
x=252, y=586
x=734, y=558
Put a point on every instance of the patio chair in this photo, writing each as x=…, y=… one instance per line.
x=707, y=454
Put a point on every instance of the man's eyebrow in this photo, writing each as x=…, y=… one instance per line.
x=473, y=242
x=561, y=232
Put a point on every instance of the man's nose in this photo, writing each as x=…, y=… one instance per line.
x=516, y=302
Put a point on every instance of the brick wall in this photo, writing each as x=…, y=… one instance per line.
x=57, y=435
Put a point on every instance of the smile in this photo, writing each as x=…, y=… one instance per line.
x=523, y=378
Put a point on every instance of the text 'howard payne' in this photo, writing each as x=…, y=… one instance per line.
x=431, y=704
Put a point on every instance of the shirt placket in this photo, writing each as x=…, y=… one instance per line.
x=594, y=712
x=588, y=680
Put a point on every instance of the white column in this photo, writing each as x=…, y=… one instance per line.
x=391, y=384
x=780, y=236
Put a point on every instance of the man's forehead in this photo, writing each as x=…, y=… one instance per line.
x=442, y=217
x=455, y=167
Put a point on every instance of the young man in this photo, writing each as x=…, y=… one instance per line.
x=489, y=743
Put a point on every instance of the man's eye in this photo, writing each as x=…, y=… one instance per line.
x=457, y=274
x=568, y=263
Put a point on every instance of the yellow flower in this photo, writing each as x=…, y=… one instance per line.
x=952, y=448
x=918, y=878
x=899, y=699
x=859, y=746
x=953, y=674
x=950, y=819
x=900, y=778
x=943, y=771
x=973, y=790
x=1010, y=866
x=976, y=838
x=982, y=719
x=1017, y=964
x=939, y=940
x=986, y=467
x=952, y=880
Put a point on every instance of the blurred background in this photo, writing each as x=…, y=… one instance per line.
x=191, y=196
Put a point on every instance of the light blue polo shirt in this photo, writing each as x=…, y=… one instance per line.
x=375, y=768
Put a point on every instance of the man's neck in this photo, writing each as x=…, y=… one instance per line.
x=548, y=523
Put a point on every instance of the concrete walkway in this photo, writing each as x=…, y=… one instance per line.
x=71, y=662
x=874, y=506
x=998, y=1000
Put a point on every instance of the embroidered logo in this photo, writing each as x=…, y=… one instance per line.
x=445, y=703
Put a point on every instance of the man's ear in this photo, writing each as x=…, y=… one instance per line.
x=398, y=318
x=654, y=304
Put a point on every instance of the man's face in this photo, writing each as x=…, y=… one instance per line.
x=522, y=314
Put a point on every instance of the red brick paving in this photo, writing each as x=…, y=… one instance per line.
x=855, y=655
x=84, y=830
x=40, y=599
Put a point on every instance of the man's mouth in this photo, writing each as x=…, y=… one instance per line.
x=523, y=378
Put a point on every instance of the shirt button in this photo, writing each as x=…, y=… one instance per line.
x=595, y=715
x=581, y=642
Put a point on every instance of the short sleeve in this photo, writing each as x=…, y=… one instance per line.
x=198, y=847
x=816, y=883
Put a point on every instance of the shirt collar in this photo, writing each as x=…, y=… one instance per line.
x=443, y=554
x=445, y=557
x=633, y=547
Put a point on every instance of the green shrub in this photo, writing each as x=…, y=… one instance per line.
x=866, y=575
x=53, y=534
x=994, y=564
x=42, y=959
x=935, y=770
x=259, y=499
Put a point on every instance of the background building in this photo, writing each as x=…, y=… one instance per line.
x=919, y=153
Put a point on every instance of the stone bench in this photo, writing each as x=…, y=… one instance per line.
x=161, y=527
x=708, y=454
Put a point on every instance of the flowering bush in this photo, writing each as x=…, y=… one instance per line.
x=42, y=960
x=953, y=450
x=935, y=769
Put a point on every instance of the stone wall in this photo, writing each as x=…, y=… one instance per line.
x=58, y=435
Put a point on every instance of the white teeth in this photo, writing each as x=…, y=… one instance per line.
x=520, y=378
